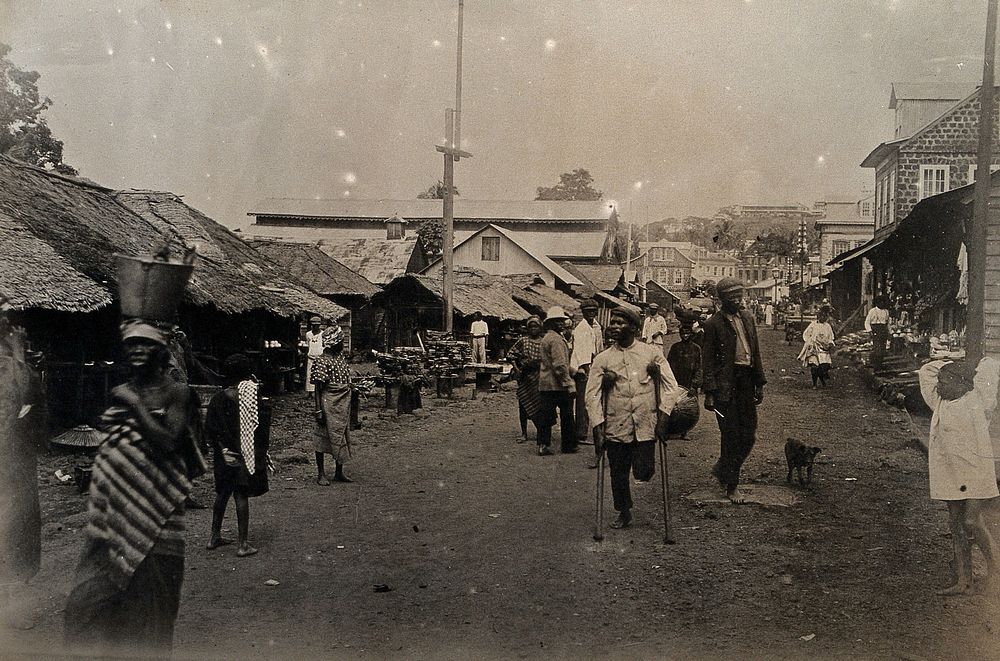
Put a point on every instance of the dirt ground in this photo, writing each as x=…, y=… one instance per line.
x=485, y=549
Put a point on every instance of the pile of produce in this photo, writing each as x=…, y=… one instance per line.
x=402, y=361
x=446, y=357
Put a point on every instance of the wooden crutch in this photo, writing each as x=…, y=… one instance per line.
x=599, y=509
x=668, y=535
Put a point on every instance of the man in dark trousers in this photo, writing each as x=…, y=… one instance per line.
x=733, y=381
x=555, y=385
x=630, y=394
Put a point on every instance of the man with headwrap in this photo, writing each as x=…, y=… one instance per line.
x=127, y=587
x=332, y=379
x=733, y=382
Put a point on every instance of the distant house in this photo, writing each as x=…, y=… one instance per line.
x=933, y=151
x=708, y=264
x=500, y=251
x=665, y=265
x=842, y=229
x=377, y=260
x=557, y=228
x=665, y=298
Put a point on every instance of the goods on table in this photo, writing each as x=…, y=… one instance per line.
x=446, y=357
x=402, y=361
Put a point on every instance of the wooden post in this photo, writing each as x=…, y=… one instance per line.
x=457, y=141
x=975, y=238
x=452, y=152
x=448, y=243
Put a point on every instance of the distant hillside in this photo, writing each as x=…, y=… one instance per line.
x=723, y=233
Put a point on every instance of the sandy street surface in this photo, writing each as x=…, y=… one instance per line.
x=486, y=551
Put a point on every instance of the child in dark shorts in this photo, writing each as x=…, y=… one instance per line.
x=227, y=421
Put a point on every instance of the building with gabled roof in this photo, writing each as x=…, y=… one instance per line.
x=562, y=228
x=934, y=150
x=500, y=251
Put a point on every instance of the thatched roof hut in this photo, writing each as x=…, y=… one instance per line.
x=230, y=275
x=530, y=292
x=413, y=303
x=324, y=274
x=70, y=229
x=34, y=276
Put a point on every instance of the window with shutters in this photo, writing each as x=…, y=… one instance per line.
x=491, y=248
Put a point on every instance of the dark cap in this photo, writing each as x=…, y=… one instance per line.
x=626, y=313
x=727, y=285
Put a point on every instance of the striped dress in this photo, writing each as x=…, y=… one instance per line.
x=526, y=356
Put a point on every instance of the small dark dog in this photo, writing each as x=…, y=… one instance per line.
x=799, y=456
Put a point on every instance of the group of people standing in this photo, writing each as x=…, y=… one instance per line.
x=626, y=388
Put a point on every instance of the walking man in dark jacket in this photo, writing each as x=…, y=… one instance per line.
x=733, y=382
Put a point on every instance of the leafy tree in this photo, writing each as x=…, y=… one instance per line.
x=431, y=236
x=431, y=231
x=436, y=192
x=24, y=133
x=575, y=185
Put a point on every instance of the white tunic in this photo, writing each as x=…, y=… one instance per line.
x=959, y=453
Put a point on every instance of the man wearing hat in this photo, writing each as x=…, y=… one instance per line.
x=555, y=385
x=588, y=341
x=630, y=394
x=733, y=382
x=654, y=327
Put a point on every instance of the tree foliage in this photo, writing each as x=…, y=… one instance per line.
x=24, y=132
x=431, y=236
x=575, y=185
x=436, y=192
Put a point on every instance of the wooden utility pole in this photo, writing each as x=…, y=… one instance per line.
x=975, y=239
x=452, y=152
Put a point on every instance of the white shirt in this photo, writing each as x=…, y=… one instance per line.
x=588, y=341
x=314, y=342
x=480, y=329
x=654, y=324
x=628, y=409
x=876, y=316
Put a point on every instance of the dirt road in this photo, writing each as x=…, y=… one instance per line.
x=485, y=549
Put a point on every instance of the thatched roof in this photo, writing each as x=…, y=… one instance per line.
x=377, y=260
x=33, y=275
x=230, y=274
x=309, y=264
x=530, y=292
x=599, y=277
x=474, y=292
x=70, y=229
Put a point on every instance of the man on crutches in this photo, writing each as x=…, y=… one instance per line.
x=630, y=394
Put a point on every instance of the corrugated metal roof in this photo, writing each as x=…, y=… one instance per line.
x=377, y=260
x=945, y=91
x=379, y=210
x=322, y=273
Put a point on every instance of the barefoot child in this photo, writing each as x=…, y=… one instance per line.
x=237, y=424
x=960, y=456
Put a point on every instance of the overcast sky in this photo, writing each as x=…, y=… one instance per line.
x=676, y=107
